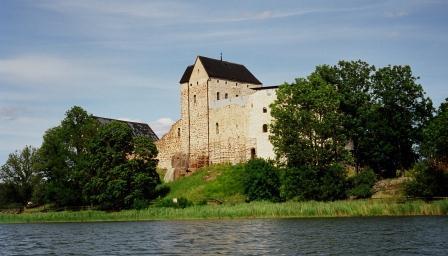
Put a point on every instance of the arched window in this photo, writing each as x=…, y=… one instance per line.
x=178, y=132
x=265, y=110
x=217, y=128
x=194, y=99
x=226, y=96
x=265, y=128
x=217, y=96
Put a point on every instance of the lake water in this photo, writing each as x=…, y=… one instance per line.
x=330, y=236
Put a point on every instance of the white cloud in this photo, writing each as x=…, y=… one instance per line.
x=161, y=125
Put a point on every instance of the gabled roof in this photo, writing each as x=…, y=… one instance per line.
x=138, y=129
x=224, y=70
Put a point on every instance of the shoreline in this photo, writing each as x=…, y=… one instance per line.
x=254, y=210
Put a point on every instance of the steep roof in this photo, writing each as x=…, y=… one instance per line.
x=224, y=70
x=138, y=129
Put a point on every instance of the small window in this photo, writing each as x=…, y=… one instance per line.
x=217, y=128
x=236, y=83
x=265, y=128
x=217, y=96
x=217, y=81
x=226, y=82
x=198, y=70
x=265, y=110
x=197, y=83
x=194, y=99
x=191, y=84
x=247, y=86
x=236, y=95
x=178, y=132
x=226, y=96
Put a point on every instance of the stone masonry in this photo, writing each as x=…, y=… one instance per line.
x=224, y=118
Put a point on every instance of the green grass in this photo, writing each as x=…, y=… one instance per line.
x=356, y=208
x=222, y=182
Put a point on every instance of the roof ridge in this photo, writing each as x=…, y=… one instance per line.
x=234, y=63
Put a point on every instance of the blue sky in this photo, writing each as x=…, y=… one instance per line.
x=123, y=59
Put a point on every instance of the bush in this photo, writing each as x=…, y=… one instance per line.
x=261, y=181
x=361, y=184
x=180, y=202
x=310, y=183
x=427, y=181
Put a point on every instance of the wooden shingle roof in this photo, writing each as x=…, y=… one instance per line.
x=223, y=70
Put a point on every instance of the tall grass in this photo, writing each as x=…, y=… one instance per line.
x=355, y=208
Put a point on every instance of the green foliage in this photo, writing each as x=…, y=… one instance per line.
x=400, y=111
x=122, y=169
x=261, y=181
x=19, y=176
x=311, y=183
x=435, y=137
x=362, y=183
x=427, y=181
x=62, y=157
x=307, y=127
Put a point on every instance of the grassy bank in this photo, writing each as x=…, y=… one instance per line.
x=357, y=208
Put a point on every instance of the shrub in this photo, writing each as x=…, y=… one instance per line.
x=427, y=181
x=261, y=181
x=311, y=183
x=361, y=184
x=180, y=202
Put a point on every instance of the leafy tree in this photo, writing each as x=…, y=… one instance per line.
x=308, y=127
x=435, y=138
x=427, y=181
x=261, y=181
x=19, y=176
x=399, y=112
x=353, y=82
x=122, y=169
x=62, y=157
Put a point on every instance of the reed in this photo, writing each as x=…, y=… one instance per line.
x=355, y=208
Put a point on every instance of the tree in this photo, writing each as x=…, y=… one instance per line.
x=435, y=138
x=62, y=157
x=308, y=127
x=19, y=175
x=122, y=168
x=261, y=181
x=353, y=83
x=399, y=111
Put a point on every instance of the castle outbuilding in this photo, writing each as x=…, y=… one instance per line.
x=225, y=117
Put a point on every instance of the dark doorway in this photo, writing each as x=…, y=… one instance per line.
x=253, y=154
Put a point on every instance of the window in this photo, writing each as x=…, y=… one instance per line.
x=265, y=128
x=197, y=83
x=194, y=99
x=178, y=132
x=226, y=82
x=191, y=84
x=236, y=83
x=265, y=110
x=226, y=96
x=217, y=96
x=217, y=81
x=237, y=95
x=217, y=128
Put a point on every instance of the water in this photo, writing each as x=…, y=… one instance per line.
x=333, y=236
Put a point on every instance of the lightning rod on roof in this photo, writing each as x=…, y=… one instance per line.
x=221, y=56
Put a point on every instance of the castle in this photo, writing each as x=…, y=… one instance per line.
x=224, y=118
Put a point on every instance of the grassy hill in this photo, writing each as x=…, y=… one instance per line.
x=222, y=182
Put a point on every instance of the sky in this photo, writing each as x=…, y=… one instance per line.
x=124, y=59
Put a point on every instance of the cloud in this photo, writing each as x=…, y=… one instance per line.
x=59, y=72
x=9, y=113
x=161, y=126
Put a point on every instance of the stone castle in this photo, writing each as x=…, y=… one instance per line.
x=224, y=118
